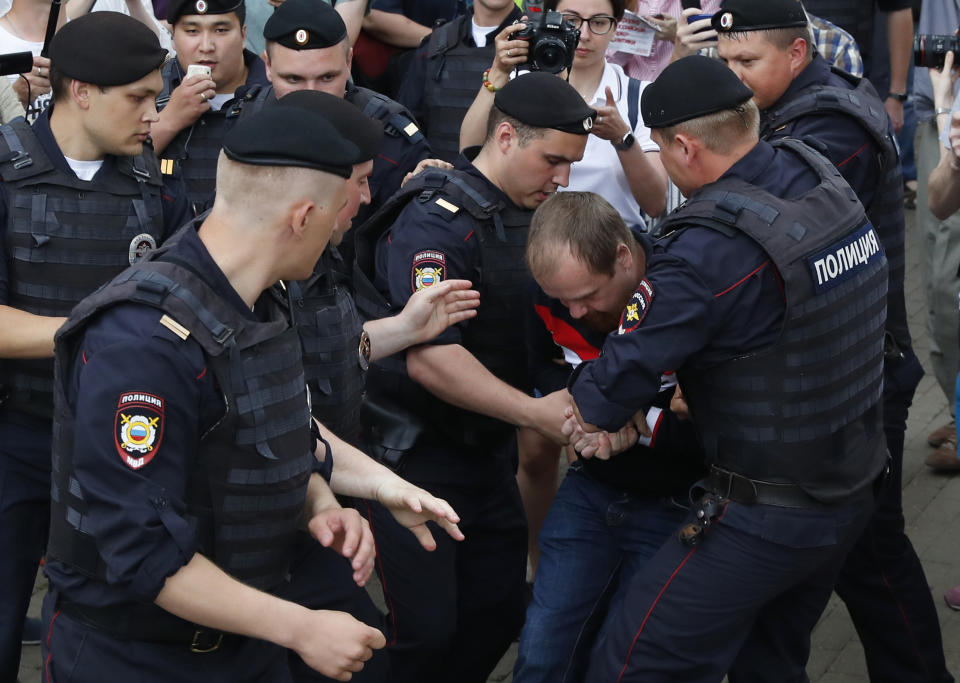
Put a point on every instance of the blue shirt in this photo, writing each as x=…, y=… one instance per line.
x=35, y=450
x=136, y=515
x=714, y=297
x=424, y=12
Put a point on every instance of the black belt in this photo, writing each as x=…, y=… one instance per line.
x=148, y=623
x=741, y=489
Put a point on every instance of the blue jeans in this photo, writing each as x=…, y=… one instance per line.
x=594, y=539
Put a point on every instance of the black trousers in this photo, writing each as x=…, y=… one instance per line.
x=455, y=611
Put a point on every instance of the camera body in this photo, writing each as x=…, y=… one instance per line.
x=930, y=50
x=553, y=41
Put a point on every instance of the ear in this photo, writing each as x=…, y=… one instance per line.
x=301, y=213
x=80, y=93
x=350, y=59
x=798, y=51
x=505, y=136
x=624, y=256
x=689, y=146
x=243, y=32
x=265, y=56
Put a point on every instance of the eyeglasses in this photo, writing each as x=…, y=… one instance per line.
x=600, y=24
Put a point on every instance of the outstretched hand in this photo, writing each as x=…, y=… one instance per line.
x=433, y=309
x=413, y=507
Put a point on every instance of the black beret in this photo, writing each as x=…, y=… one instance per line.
x=305, y=25
x=77, y=50
x=543, y=100
x=758, y=15
x=365, y=133
x=178, y=8
x=290, y=136
x=690, y=88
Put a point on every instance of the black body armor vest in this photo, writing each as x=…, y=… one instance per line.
x=453, y=72
x=193, y=153
x=805, y=410
x=64, y=238
x=249, y=476
x=495, y=336
x=329, y=325
x=886, y=210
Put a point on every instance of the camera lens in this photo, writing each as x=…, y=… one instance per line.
x=550, y=55
x=930, y=50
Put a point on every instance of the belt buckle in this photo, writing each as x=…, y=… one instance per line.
x=200, y=645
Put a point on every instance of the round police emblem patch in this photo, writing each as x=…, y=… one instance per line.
x=201, y=6
x=138, y=428
x=726, y=20
x=140, y=246
x=301, y=37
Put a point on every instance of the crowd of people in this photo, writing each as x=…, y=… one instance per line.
x=296, y=292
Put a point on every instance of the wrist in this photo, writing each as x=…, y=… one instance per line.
x=954, y=163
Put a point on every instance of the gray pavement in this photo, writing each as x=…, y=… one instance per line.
x=931, y=505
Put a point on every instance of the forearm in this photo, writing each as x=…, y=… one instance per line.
x=444, y=370
x=352, y=11
x=647, y=179
x=25, y=335
x=203, y=593
x=943, y=188
x=474, y=126
x=354, y=472
x=900, y=41
x=140, y=13
x=387, y=336
x=319, y=498
x=394, y=29
x=77, y=8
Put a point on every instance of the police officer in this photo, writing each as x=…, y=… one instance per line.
x=442, y=76
x=196, y=110
x=444, y=413
x=611, y=514
x=767, y=45
x=337, y=348
x=171, y=532
x=778, y=347
x=308, y=49
x=82, y=198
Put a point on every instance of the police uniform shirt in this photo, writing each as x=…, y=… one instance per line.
x=664, y=464
x=26, y=436
x=421, y=67
x=837, y=136
x=137, y=513
x=706, y=298
x=400, y=152
x=424, y=12
x=430, y=243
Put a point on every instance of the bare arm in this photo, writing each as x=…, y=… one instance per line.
x=444, y=370
x=188, y=102
x=395, y=29
x=25, y=335
x=333, y=643
x=900, y=41
x=352, y=11
x=943, y=187
x=426, y=314
x=474, y=127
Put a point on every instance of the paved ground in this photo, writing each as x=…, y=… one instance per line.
x=931, y=505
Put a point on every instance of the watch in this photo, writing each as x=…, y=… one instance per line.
x=626, y=142
x=898, y=96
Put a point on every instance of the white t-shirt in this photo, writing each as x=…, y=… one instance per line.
x=480, y=33
x=12, y=43
x=166, y=40
x=600, y=170
x=85, y=170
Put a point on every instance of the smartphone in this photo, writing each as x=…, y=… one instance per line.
x=198, y=70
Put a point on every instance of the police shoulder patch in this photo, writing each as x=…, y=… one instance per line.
x=428, y=269
x=637, y=308
x=138, y=428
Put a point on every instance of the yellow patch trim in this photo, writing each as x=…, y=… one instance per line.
x=175, y=327
x=444, y=204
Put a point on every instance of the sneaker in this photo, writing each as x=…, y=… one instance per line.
x=32, y=631
x=945, y=432
x=952, y=598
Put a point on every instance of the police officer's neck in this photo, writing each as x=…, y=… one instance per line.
x=489, y=163
x=66, y=124
x=709, y=165
x=243, y=253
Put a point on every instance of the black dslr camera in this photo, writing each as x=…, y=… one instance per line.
x=553, y=41
x=930, y=51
